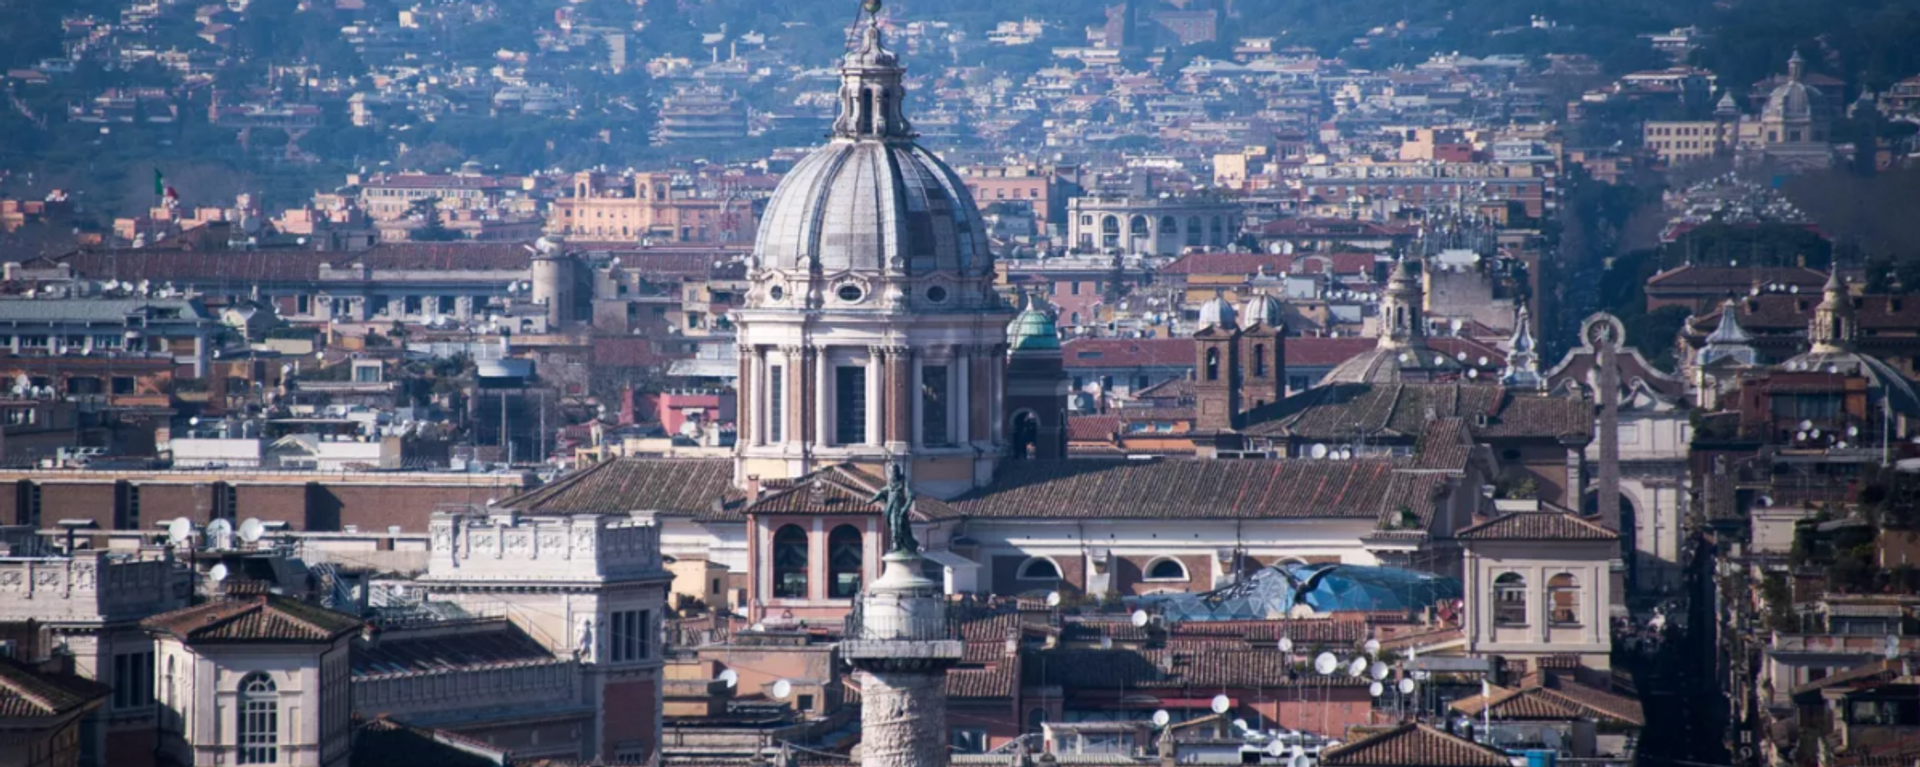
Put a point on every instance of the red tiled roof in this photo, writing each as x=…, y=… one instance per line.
x=1092, y=428
x=490, y=643
x=1127, y=352
x=1414, y=745
x=1538, y=526
x=691, y=486
x=1334, y=412
x=259, y=618
x=29, y=693
x=1178, y=489
x=1736, y=277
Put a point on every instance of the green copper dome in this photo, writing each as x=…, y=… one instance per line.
x=1033, y=330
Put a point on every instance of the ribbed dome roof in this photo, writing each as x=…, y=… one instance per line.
x=1793, y=99
x=1263, y=309
x=1216, y=312
x=1033, y=330
x=872, y=205
x=871, y=199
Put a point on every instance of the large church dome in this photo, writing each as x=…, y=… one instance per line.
x=1793, y=100
x=870, y=202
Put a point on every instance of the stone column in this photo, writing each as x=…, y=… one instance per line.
x=823, y=398
x=915, y=403
x=960, y=393
x=795, y=387
x=899, y=397
x=876, y=414
x=746, y=409
x=996, y=405
x=980, y=407
x=901, y=645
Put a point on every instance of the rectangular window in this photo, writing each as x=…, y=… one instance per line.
x=849, y=405
x=1510, y=602
x=776, y=404
x=133, y=508
x=106, y=342
x=133, y=679
x=627, y=636
x=933, y=405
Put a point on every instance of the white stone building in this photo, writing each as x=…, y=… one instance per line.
x=1539, y=583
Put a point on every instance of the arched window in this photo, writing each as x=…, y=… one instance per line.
x=846, y=556
x=1169, y=225
x=1259, y=360
x=1510, y=600
x=1039, y=569
x=1026, y=433
x=1138, y=226
x=259, y=731
x=1213, y=364
x=1109, y=231
x=1194, y=230
x=790, y=563
x=1563, y=600
x=1035, y=719
x=1219, y=227
x=1167, y=569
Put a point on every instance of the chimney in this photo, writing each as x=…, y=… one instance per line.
x=753, y=488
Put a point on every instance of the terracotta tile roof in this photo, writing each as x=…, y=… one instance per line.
x=997, y=681
x=383, y=742
x=1538, y=526
x=1553, y=697
x=1092, y=428
x=492, y=643
x=1180, y=489
x=1176, y=668
x=1740, y=278
x=1332, y=413
x=689, y=486
x=258, y=618
x=1127, y=353
x=1309, y=631
x=1446, y=443
x=29, y=693
x=1414, y=745
x=1317, y=351
x=1770, y=314
x=837, y=489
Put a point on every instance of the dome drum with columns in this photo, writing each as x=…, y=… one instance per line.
x=871, y=332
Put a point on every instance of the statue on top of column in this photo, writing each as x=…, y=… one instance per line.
x=897, y=500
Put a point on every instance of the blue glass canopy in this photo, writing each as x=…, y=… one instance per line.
x=1272, y=592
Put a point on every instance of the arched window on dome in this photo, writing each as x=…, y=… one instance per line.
x=790, y=562
x=865, y=124
x=258, y=732
x=1194, y=231
x=1167, y=569
x=846, y=559
x=1213, y=364
x=1038, y=569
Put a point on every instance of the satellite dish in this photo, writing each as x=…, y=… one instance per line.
x=1053, y=599
x=782, y=689
x=1406, y=687
x=1379, y=672
x=1286, y=644
x=1239, y=724
x=1357, y=667
x=1140, y=618
x=1106, y=643
x=1483, y=361
x=251, y=530
x=1161, y=718
x=1276, y=749
x=1376, y=689
x=730, y=678
x=1298, y=760
x=757, y=627
x=218, y=573
x=1318, y=450
x=1221, y=704
x=1325, y=664
x=1806, y=425
x=1853, y=431
x=1372, y=647
x=180, y=531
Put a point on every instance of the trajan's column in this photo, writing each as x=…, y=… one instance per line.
x=900, y=640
